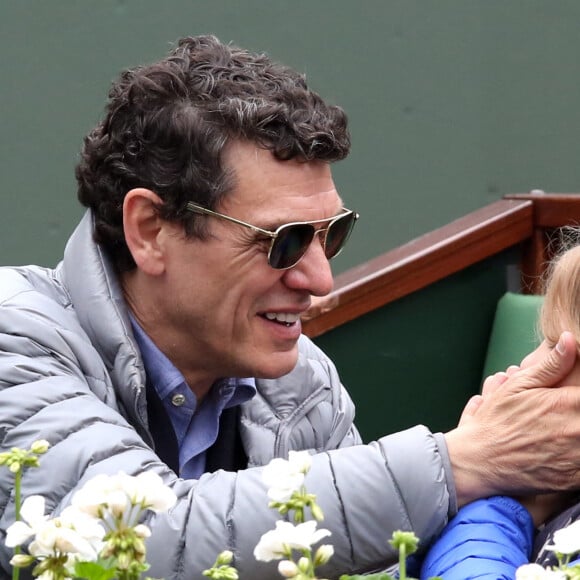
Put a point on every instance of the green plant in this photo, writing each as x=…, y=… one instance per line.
x=98, y=537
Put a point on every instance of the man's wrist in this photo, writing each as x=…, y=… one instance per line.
x=470, y=470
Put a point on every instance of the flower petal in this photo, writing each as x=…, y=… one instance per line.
x=17, y=534
x=32, y=510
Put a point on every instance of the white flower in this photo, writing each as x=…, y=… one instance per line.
x=275, y=544
x=285, y=476
x=301, y=460
x=72, y=533
x=304, y=536
x=148, y=490
x=94, y=495
x=103, y=493
x=271, y=545
x=87, y=526
x=55, y=538
x=118, y=494
x=567, y=540
x=117, y=503
x=32, y=514
x=536, y=572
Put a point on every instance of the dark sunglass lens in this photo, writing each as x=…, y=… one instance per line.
x=290, y=245
x=337, y=234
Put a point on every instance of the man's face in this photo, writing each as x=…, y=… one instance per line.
x=229, y=312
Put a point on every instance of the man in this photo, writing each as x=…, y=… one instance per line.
x=168, y=339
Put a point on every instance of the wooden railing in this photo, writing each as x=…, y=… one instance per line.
x=526, y=219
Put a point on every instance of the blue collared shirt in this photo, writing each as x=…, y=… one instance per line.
x=196, y=426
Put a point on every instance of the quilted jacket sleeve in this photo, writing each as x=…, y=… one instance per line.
x=365, y=492
x=488, y=539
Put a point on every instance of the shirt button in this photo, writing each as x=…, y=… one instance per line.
x=178, y=400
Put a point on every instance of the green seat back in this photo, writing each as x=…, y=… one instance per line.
x=514, y=332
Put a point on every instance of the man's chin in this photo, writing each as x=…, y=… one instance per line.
x=278, y=365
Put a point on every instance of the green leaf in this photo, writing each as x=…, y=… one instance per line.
x=93, y=571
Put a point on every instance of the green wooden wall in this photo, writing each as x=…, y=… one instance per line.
x=452, y=102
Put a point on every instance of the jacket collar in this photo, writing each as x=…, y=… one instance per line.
x=99, y=304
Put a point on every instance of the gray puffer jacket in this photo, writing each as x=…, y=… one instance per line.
x=71, y=373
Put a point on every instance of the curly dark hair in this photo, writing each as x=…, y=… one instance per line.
x=166, y=126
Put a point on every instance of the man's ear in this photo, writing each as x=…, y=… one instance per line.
x=143, y=226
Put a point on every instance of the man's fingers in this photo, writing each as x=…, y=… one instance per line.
x=512, y=369
x=492, y=382
x=471, y=408
x=553, y=368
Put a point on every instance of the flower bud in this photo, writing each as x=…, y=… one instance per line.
x=139, y=547
x=323, y=554
x=21, y=560
x=108, y=550
x=317, y=512
x=15, y=467
x=299, y=515
x=123, y=561
x=41, y=446
x=304, y=564
x=224, y=557
x=288, y=569
x=142, y=530
x=231, y=574
x=407, y=539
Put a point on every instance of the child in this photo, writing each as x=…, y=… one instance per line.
x=491, y=538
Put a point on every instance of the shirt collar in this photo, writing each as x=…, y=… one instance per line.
x=161, y=372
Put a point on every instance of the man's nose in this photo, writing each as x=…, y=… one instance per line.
x=313, y=272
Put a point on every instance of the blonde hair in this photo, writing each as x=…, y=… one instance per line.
x=561, y=306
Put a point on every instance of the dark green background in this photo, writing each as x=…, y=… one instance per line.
x=452, y=103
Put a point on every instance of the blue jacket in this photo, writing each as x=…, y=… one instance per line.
x=488, y=539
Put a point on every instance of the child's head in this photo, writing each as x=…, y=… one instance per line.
x=561, y=308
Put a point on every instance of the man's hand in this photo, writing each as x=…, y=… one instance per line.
x=523, y=435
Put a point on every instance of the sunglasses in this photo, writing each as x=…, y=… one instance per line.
x=291, y=241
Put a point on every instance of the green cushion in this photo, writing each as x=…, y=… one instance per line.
x=514, y=333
